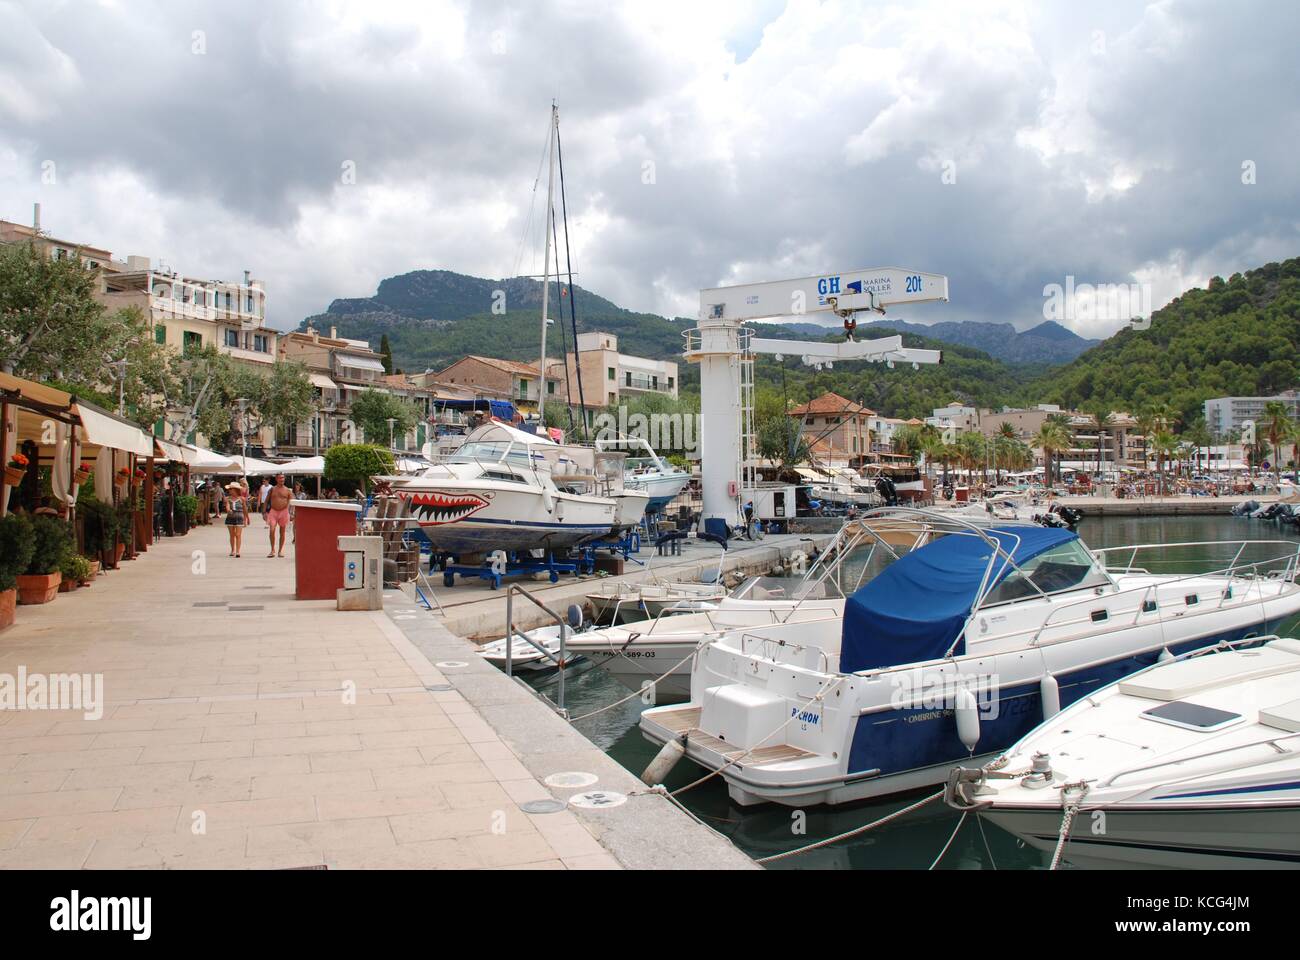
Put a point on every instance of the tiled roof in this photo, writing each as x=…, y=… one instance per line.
x=830, y=404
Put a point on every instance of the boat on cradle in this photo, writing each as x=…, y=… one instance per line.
x=498, y=492
x=520, y=655
x=658, y=651
x=659, y=481
x=1193, y=762
x=955, y=650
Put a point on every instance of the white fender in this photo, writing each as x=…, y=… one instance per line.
x=968, y=719
x=1050, y=692
x=548, y=500
x=663, y=762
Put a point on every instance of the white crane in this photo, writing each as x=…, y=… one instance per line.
x=725, y=351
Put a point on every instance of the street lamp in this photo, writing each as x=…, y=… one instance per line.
x=391, y=422
x=243, y=403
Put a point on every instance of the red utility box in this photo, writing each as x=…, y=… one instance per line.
x=317, y=526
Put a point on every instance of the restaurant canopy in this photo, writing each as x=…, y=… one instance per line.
x=253, y=467
x=303, y=467
x=201, y=460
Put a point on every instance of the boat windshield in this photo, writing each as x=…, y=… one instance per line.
x=1068, y=566
x=785, y=588
x=489, y=450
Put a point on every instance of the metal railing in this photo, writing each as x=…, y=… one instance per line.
x=1238, y=569
x=561, y=661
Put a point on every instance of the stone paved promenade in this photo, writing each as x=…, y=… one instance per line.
x=225, y=710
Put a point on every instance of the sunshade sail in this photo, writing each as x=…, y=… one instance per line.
x=253, y=467
x=303, y=466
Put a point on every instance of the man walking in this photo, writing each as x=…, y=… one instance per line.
x=277, y=513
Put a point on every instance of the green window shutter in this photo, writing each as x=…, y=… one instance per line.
x=159, y=333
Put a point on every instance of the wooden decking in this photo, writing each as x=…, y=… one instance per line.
x=686, y=721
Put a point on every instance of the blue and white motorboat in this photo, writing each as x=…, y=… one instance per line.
x=955, y=650
x=647, y=472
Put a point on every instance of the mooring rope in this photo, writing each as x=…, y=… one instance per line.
x=857, y=830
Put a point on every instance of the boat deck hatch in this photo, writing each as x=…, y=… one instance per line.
x=1285, y=716
x=1192, y=716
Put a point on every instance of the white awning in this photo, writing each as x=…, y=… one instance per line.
x=168, y=451
x=360, y=363
x=201, y=460
x=103, y=430
x=253, y=467
x=322, y=381
x=304, y=466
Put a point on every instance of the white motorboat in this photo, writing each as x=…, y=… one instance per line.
x=520, y=655
x=498, y=492
x=1189, y=763
x=954, y=650
x=649, y=474
x=642, y=600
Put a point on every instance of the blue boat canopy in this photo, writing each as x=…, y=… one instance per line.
x=501, y=409
x=917, y=606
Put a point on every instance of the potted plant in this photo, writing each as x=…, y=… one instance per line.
x=187, y=508
x=81, y=474
x=16, y=546
x=125, y=533
x=15, y=469
x=75, y=571
x=53, y=542
x=99, y=529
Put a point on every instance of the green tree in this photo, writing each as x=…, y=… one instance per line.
x=782, y=442
x=372, y=410
x=1052, y=438
x=357, y=463
x=386, y=351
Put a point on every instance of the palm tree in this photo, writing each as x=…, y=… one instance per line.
x=1165, y=444
x=1101, y=419
x=1052, y=437
x=1278, y=428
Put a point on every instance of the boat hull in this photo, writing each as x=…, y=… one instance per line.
x=661, y=489
x=473, y=519
x=1250, y=838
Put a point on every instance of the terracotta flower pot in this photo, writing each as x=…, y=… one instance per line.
x=67, y=586
x=80, y=476
x=38, y=588
x=14, y=475
x=118, y=550
x=8, y=606
x=94, y=570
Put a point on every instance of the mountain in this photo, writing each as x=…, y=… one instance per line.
x=1049, y=342
x=433, y=317
x=1236, y=337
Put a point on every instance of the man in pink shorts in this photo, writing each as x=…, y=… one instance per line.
x=277, y=513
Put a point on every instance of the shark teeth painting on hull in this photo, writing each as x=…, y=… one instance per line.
x=436, y=508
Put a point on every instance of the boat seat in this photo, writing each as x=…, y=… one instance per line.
x=1185, y=678
x=1285, y=716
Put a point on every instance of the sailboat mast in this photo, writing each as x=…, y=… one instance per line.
x=546, y=259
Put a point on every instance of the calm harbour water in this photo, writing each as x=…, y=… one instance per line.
x=914, y=841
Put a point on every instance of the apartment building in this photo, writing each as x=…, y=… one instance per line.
x=340, y=369
x=608, y=376
x=1226, y=415
x=91, y=257
x=1119, y=445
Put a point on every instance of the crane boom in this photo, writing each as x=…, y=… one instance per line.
x=870, y=289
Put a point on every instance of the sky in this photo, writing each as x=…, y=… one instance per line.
x=325, y=145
